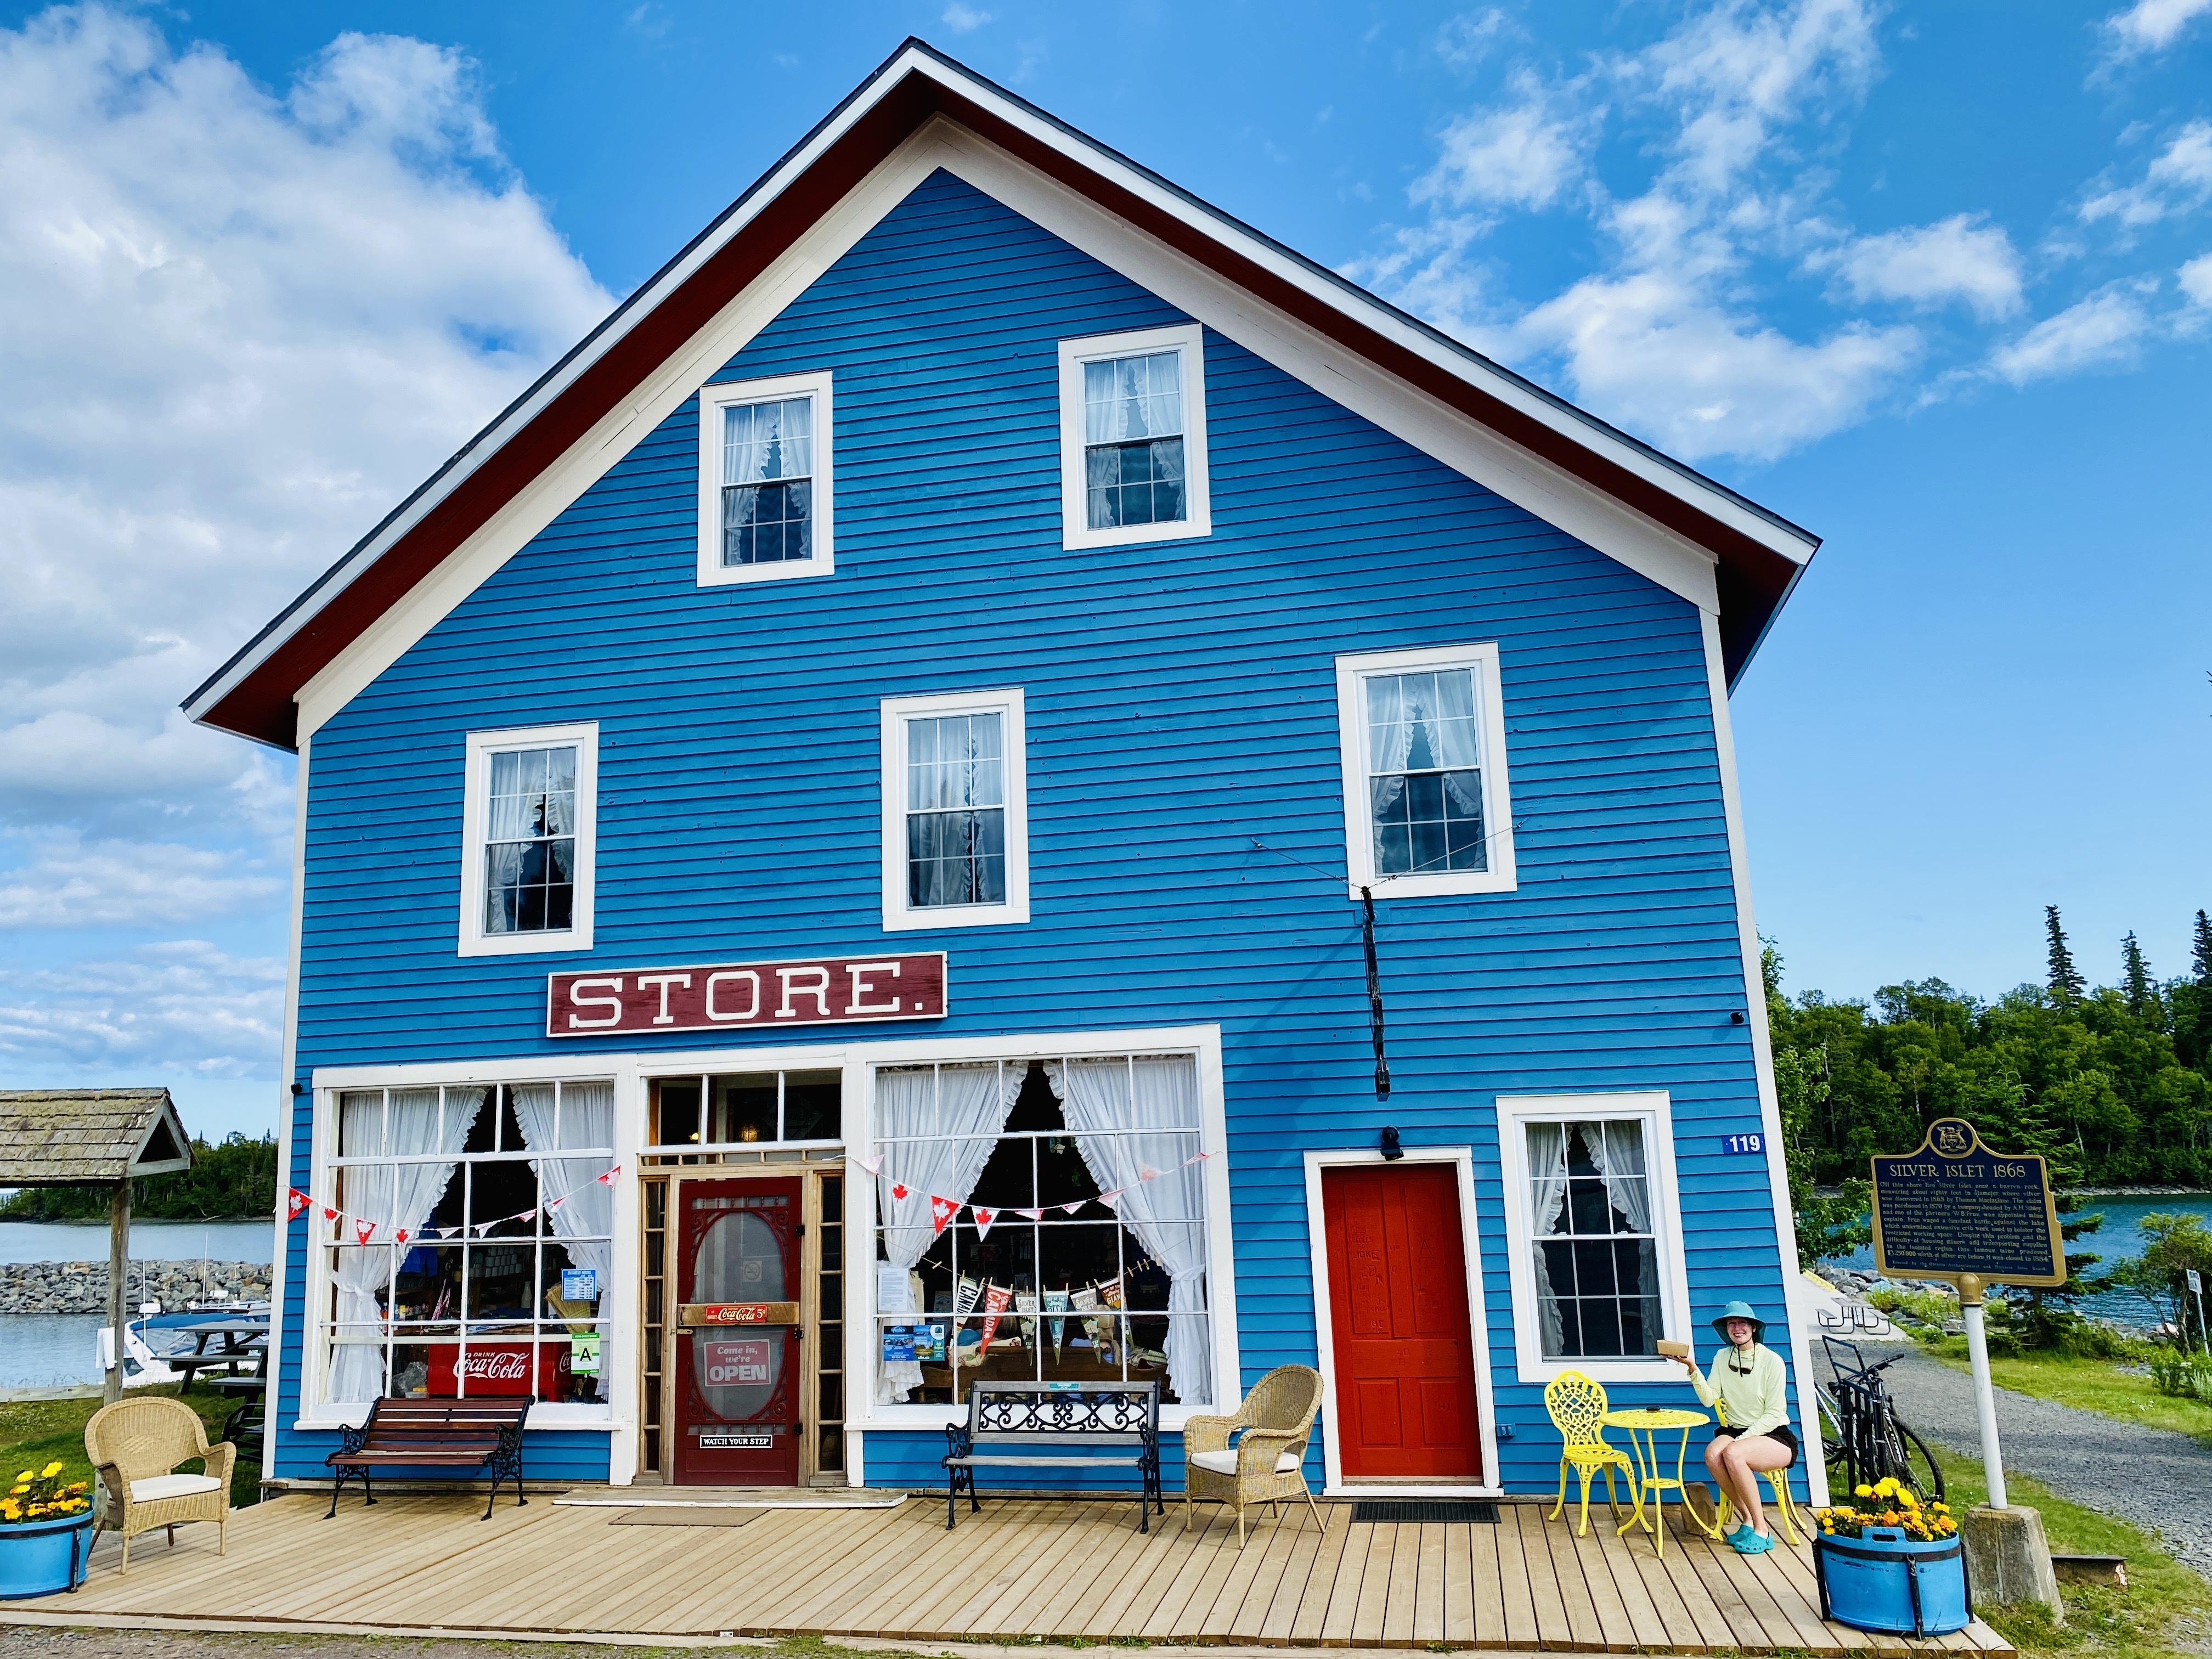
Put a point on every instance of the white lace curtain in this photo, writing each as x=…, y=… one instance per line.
x=1422, y=723
x=1617, y=1150
x=584, y=1218
x=936, y=1128
x=1129, y=1116
x=398, y=1198
x=1547, y=1197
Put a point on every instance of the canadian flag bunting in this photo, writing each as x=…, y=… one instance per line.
x=363, y=1229
x=528, y=1215
x=1072, y=1208
x=983, y=1220
x=941, y=1212
x=295, y=1203
x=1113, y=1200
x=874, y=1165
x=1033, y=1215
x=553, y=1204
x=1146, y=1172
x=901, y=1191
x=608, y=1179
x=329, y=1214
x=1196, y=1157
x=401, y=1236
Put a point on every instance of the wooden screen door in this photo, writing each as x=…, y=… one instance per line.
x=1397, y=1299
x=737, y=1384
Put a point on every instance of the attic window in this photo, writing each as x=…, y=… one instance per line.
x=161, y=1145
x=764, y=480
x=1132, y=438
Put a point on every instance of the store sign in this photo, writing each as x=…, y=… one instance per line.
x=732, y=1365
x=739, y=996
x=695, y=1313
x=1954, y=1209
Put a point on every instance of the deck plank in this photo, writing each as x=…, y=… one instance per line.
x=1023, y=1568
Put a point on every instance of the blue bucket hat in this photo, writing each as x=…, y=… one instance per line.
x=1740, y=1310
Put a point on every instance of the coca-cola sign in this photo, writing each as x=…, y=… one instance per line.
x=737, y=996
x=496, y=1365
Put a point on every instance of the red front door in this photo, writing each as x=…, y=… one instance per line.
x=1397, y=1302
x=737, y=1385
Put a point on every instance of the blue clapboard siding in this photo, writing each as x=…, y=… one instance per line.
x=1181, y=705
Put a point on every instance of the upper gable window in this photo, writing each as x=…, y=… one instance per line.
x=1132, y=437
x=956, y=832
x=1426, y=809
x=764, y=479
x=531, y=802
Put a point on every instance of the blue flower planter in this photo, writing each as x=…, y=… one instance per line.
x=38, y=1557
x=1889, y=1582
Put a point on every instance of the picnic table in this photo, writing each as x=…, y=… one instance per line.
x=244, y=1341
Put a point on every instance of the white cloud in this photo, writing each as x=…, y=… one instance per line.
x=2196, y=280
x=72, y=884
x=1955, y=258
x=1464, y=40
x=2178, y=179
x=2151, y=25
x=1521, y=155
x=2107, y=328
x=964, y=20
x=1660, y=359
x=181, y=1008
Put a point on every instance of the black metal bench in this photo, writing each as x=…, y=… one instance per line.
x=436, y=1432
x=1093, y=1417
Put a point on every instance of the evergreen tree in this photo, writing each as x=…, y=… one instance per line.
x=2134, y=978
x=2066, y=982
x=2201, y=956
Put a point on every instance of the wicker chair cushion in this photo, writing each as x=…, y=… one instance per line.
x=155, y=1487
x=1224, y=1462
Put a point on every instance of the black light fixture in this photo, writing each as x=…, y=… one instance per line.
x=1392, y=1152
x=1736, y=1017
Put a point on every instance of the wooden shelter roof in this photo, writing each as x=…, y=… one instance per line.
x=88, y=1137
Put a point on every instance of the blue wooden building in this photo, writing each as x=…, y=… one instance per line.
x=843, y=841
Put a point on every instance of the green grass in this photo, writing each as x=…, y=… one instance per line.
x=2163, y=1612
x=2093, y=1385
x=35, y=1432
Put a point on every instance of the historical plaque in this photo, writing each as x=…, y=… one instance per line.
x=1954, y=1210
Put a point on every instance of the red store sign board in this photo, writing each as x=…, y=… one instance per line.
x=822, y=991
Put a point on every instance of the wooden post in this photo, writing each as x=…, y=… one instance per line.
x=118, y=1264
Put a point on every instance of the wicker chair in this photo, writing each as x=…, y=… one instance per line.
x=1266, y=1465
x=134, y=1446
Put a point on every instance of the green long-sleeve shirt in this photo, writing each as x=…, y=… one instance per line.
x=1756, y=1398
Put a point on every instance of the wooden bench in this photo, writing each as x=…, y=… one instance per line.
x=439, y=1432
x=1090, y=1416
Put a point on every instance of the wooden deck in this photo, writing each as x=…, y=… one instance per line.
x=1025, y=1567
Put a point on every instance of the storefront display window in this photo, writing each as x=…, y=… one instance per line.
x=1041, y=1220
x=471, y=1248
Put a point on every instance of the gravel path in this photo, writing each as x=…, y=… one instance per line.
x=2155, y=1479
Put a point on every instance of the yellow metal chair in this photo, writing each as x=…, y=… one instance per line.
x=1577, y=1407
x=1777, y=1481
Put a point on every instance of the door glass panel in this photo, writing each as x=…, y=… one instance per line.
x=740, y=1259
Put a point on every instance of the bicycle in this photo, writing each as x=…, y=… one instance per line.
x=1867, y=1441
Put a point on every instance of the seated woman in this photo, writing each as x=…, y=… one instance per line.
x=1748, y=1382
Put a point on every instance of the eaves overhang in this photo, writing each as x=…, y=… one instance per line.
x=1758, y=554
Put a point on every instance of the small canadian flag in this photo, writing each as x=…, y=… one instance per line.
x=295, y=1202
x=983, y=1220
x=401, y=1236
x=1033, y=1215
x=608, y=1179
x=329, y=1214
x=901, y=1191
x=941, y=1212
x=363, y=1229
x=1077, y=1205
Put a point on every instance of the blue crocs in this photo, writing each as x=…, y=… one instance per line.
x=1747, y=1543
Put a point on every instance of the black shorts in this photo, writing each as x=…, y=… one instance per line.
x=1780, y=1431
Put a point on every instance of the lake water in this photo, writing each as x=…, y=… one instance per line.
x=43, y=1350
x=150, y=1241
x=2120, y=1235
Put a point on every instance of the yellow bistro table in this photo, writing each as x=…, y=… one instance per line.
x=1651, y=1421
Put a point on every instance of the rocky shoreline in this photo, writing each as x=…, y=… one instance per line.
x=81, y=1287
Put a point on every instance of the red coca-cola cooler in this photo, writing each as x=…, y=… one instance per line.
x=500, y=1368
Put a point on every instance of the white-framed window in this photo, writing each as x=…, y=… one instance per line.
x=1132, y=438
x=472, y=1250
x=1045, y=1220
x=1426, y=806
x=766, y=498
x=1595, y=1235
x=531, y=810
x=955, y=811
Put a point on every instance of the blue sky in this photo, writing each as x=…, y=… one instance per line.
x=1933, y=281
